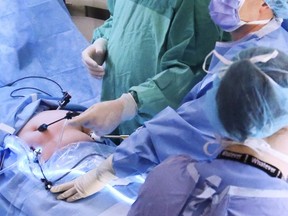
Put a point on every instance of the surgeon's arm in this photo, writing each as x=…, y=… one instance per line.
x=171, y=132
x=135, y=155
x=181, y=64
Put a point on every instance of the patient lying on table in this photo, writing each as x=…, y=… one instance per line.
x=68, y=152
x=55, y=137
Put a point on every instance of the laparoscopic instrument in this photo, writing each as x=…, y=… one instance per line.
x=100, y=138
x=64, y=100
x=115, y=136
x=69, y=115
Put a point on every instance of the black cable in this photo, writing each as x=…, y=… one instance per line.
x=28, y=87
x=62, y=103
x=18, y=89
x=38, y=77
x=48, y=184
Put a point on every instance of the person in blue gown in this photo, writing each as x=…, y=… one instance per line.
x=248, y=108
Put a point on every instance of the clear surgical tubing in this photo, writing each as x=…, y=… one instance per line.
x=59, y=144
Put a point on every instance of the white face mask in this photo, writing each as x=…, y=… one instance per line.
x=260, y=145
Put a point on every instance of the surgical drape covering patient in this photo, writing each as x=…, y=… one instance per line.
x=247, y=106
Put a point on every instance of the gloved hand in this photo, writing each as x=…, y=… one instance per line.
x=87, y=184
x=102, y=118
x=93, y=57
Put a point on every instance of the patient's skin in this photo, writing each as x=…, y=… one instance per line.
x=55, y=137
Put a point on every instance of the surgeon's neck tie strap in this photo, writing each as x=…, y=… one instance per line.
x=252, y=161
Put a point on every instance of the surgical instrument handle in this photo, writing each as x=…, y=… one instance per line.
x=116, y=136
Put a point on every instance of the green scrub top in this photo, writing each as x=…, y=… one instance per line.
x=155, y=48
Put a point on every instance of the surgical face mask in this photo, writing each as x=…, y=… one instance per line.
x=225, y=14
x=260, y=145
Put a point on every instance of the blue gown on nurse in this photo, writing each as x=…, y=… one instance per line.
x=187, y=129
x=249, y=177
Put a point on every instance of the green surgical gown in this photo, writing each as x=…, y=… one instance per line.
x=155, y=48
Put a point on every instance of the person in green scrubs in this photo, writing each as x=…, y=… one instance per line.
x=149, y=54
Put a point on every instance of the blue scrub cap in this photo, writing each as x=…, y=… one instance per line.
x=249, y=98
x=279, y=7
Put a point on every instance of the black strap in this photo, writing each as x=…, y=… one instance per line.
x=252, y=161
x=134, y=95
